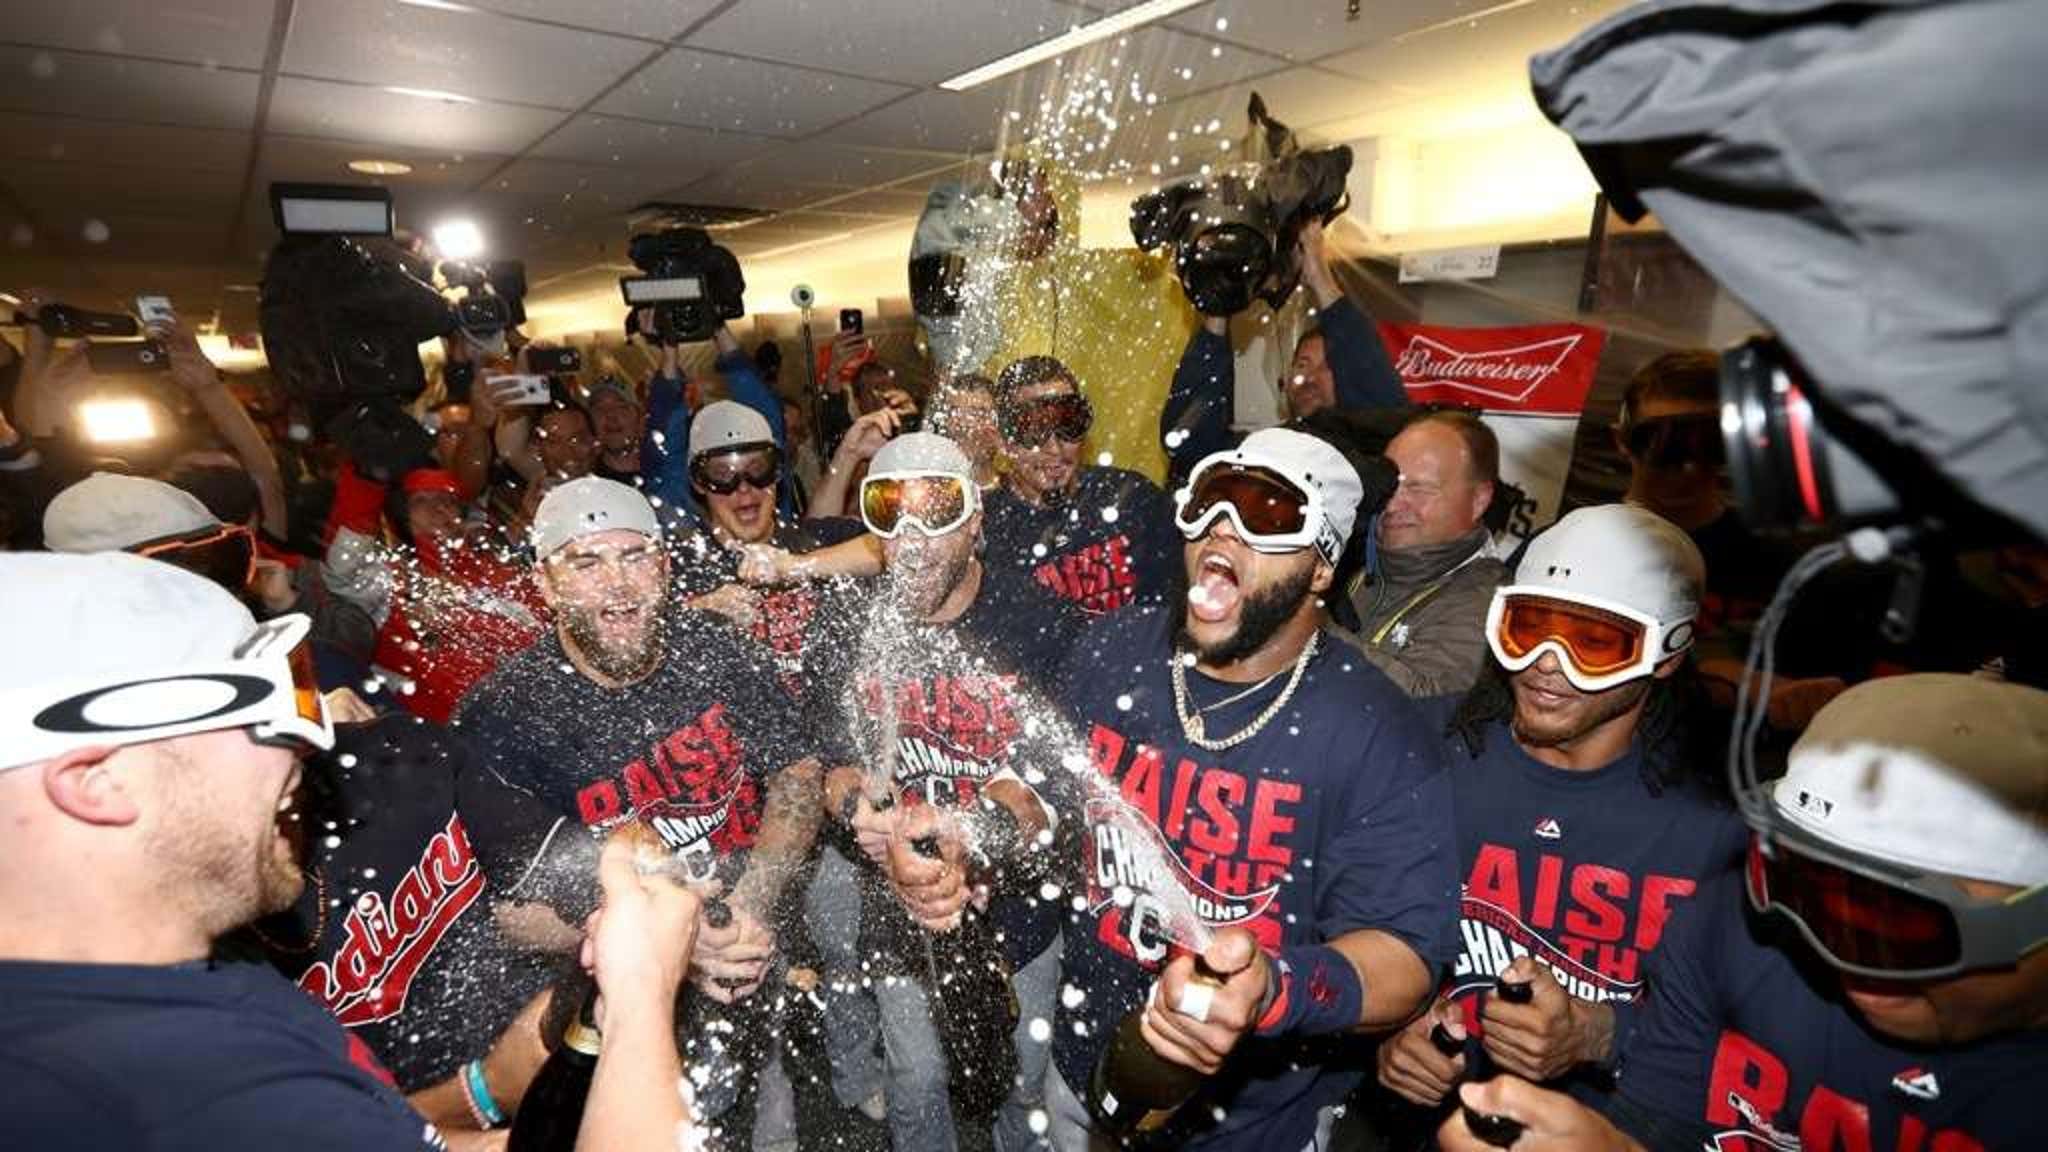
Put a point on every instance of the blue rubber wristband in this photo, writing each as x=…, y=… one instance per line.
x=480, y=1094
x=1320, y=993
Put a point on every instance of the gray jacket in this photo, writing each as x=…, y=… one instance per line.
x=1422, y=615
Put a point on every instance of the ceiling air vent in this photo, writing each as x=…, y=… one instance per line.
x=657, y=214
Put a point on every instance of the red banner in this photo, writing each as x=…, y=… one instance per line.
x=1529, y=370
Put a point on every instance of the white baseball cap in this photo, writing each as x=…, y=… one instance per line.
x=587, y=506
x=921, y=452
x=1939, y=772
x=726, y=426
x=1313, y=464
x=118, y=649
x=109, y=512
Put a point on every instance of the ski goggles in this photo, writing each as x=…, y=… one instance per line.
x=1599, y=642
x=1878, y=919
x=268, y=686
x=722, y=473
x=1030, y=423
x=225, y=554
x=1271, y=510
x=935, y=502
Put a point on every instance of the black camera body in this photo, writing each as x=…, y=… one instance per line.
x=342, y=322
x=691, y=284
x=1233, y=234
x=494, y=294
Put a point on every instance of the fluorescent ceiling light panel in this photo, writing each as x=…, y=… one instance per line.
x=430, y=94
x=1068, y=41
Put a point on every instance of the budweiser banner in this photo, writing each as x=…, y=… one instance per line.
x=1530, y=381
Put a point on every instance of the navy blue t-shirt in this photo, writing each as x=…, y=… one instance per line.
x=964, y=702
x=1110, y=543
x=407, y=954
x=109, y=1056
x=1578, y=869
x=1336, y=817
x=1746, y=1043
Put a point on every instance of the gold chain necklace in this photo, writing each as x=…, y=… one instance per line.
x=1191, y=719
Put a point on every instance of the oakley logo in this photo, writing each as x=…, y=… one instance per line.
x=1677, y=637
x=159, y=703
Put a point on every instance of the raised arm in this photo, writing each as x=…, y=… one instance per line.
x=1364, y=377
x=1200, y=404
x=192, y=371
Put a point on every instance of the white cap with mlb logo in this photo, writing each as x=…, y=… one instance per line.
x=587, y=506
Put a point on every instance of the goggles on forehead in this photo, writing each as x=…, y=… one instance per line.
x=1599, y=642
x=1875, y=918
x=226, y=554
x=722, y=473
x=268, y=686
x=1271, y=510
x=935, y=502
x=1033, y=422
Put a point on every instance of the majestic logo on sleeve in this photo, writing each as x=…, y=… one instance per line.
x=692, y=787
x=1097, y=576
x=1192, y=840
x=386, y=940
x=1588, y=923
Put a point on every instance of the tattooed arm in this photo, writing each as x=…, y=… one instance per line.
x=790, y=817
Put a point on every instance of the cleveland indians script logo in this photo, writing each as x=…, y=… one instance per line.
x=386, y=941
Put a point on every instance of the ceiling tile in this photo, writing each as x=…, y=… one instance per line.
x=141, y=91
x=108, y=240
x=230, y=33
x=25, y=137
x=732, y=189
x=937, y=120
x=1167, y=63
x=556, y=191
x=475, y=54
x=727, y=93
x=344, y=111
x=687, y=153
x=315, y=159
x=1311, y=29
x=813, y=163
x=916, y=42
x=647, y=19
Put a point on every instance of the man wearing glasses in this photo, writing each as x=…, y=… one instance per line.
x=1097, y=536
x=1585, y=808
x=150, y=786
x=1274, y=804
x=1897, y=998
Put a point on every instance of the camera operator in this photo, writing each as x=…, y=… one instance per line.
x=1339, y=362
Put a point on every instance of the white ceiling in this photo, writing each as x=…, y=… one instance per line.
x=165, y=120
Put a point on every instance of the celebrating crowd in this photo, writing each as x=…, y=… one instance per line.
x=855, y=763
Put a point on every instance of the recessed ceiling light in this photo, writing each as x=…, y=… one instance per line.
x=430, y=94
x=1068, y=41
x=379, y=167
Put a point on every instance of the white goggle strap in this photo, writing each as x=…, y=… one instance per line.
x=255, y=691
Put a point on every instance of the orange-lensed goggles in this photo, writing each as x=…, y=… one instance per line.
x=1599, y=644
x=935, y=502
x=225, y=554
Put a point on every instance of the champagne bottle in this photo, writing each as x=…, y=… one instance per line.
x=1135, y=1089
x=552, y=1111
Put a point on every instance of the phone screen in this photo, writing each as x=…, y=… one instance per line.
x=850, y=320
